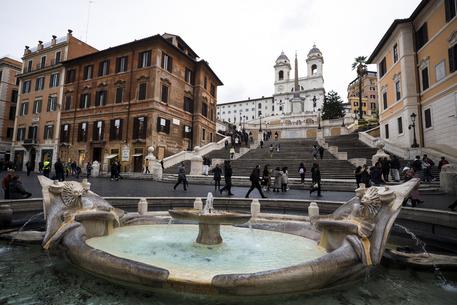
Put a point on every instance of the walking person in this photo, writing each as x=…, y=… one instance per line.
x=228, y=178
x=395, y=168
x=146, y=167
x=73, y=167
x=278, y=147
x=442, y=162
x=316, y=180
x=302, y=172
x=284, y=179
x=29, y=166
x=206, y=164
x=385, y=168
x=113, y=171
x=40, y=167
x=266, y=178
x=365, y=176
x=376, y=175
x=321, y=152
x=217, y=174
x=428, y=166
x=277, y=183
x=255, y=182
x=78, y=171
x=58, y=168
x=271, y=151
x=46, y=168
x=358, y=176
x=261, y=143
x=181, y=176
x=232, y=153
x=315, y=151
x=88, y=169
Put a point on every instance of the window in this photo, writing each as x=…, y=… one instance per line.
x=71, y=74
x=397, y=90
x=103, y=68
x=428, y=118
x=115, y=132
x=189, y=76
x=203, y=134
x=33, y=133
x=281, y=75
x=54, y=80
x=65, y=133
x=213, y=90
x=39, y=83
x=98, y=131
x=57, y=58
x=119, y=95
x=36, y=106
x=188, y=104
x=26, y=86
x=29, y=66
x=384, y=99
x=424, y=74
x=42, y=62
x=52, y=103
x=48, y=132
x=313, y=69
x=440, y=71
x=400, y=125
x=187, y=132
x=67, y=105
x=164, y=95
x=9, y=133
x=100, y=98
x=395, y=53
x=82, y=132
x=12, y=114
x=386, y=130
x=167, y=62
x=121, y=64
x=24, y=108
x=142, y=91
x=139, y=127
x=84, y=101
x=450, y=7
x=421, y=36
x=452, y=53
x=163, y=125
x=205, y=109
x=88, y=72
x=373, y=105
x=14, y=96
x=382, y=67
x=20, y=136
x=144, y=59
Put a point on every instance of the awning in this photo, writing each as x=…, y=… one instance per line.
x=111, y=156
x=137, y=155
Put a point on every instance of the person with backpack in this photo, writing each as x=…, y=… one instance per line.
x=302, y=172
x=255, y=182
x=427, y=167
x=228, y=178
x=316, y=180
x=181, y=176
x=217, y=174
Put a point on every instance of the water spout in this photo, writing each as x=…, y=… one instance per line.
x=25, y=224
x=208, y=209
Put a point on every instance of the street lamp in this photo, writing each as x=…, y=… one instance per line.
x=413, y=126
x=260, y=117
x=319, y=118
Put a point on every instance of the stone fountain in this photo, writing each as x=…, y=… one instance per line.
x=209, y=221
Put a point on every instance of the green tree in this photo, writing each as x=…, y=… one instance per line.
x=333, y=106
x=360, y=64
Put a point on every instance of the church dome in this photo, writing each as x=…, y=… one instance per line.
x=282, y=57
x=314, y=50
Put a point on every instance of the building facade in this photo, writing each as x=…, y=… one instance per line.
x=310, y=91
x=417, y=79
x=150, y=92
x=36, y=127
x=369, y=95
x=9, y=82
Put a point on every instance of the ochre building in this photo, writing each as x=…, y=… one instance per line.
x=369, y=95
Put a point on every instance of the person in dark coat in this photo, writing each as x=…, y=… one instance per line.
x=358, y=175
x=417, y=164
x=217, y=174
x=302, y=172
x=181, y=176
x=16, y=189
x=365, y=176
x=266, y=177
x=6, y=183
x=321, y=152
x=89, y=169
x=60, y=173
x=395, y=168
x=113, y=171
x=29, y=166
x=228, y=178
x=316, y=177
x=376, y=174
x=385, y=168
x=40, y=166
x=255, y=182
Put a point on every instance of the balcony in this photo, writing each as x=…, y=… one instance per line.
x=29, y=143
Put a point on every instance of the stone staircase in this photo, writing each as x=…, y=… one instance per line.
x=350, y=143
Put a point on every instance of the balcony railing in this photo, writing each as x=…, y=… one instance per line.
x=41, y=67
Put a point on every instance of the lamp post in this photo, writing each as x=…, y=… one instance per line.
x=244, y=121
x=319, y=118
x=413, y=126
x=260, y=117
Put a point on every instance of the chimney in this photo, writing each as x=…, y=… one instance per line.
x=69, y=33
x=40, y=45
x=27, y=50
x=53, y=40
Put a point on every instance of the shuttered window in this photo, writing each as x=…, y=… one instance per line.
x=140, y=127
x=163, y=125
x=116, y=129
x=97, y=131
x=144, y=59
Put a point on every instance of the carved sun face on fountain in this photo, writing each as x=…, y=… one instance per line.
x=71, y=195
x=370, y=203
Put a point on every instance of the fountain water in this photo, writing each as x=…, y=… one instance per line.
x=23, y=226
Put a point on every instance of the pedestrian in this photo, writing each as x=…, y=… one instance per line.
x=113, y=171
x=237, y=141
x=395, y=168
x=417, y=164
x=276, y=136
x=232, y=153
x=88, y=169
x=261, y=143
x=315, y=151
x=266, y=177
x=217, y=174
x=321, y=152
x=146, y=167
x=302, y=172
x=46, y=167
x=16, y=189
x=277, y=183
x=255, y=182
x=29, y=166
x=316, y=180
x=365, y=176
x=284, y=179
x=226, y=144
x=358, y=175
x=181, y=176
x=271, y=151
x=6, y=183
x=118, y=170
x=40, y=167
x=385, y=168
x=228, y=178
x=73, y=167
x=376, y=174
x=78, y=171
x=442, y=162
x=427, y=167
x=278, y=147
x=206, y=164
x=59, y=170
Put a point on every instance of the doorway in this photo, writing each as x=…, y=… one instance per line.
x=19, y=159
x=138, y=160
x=160, y=153
x=32, y=157
x=97, y=154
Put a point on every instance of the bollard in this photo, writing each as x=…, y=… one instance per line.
x=255, y=208
x=198, y=204
x=142, y=206
x=86, y=184
x=313, y=210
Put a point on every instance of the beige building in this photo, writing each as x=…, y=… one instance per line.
x=417, y=80
x=369, y=95
x=9, y=68
x=36, y=128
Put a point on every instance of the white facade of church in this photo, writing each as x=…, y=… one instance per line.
x=309, y=99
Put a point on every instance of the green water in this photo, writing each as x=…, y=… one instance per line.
x=29, y=275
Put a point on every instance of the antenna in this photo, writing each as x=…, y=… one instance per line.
x=88, y=16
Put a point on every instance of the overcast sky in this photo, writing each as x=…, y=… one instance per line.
x=240, y=39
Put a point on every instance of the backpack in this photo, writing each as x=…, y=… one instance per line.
x=301, y=170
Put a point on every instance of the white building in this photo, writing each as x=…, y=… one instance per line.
x=309, y=99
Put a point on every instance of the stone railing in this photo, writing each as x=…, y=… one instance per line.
x=404, y=153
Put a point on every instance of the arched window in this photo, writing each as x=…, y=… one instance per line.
x=281, y=75
x=313, y=69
